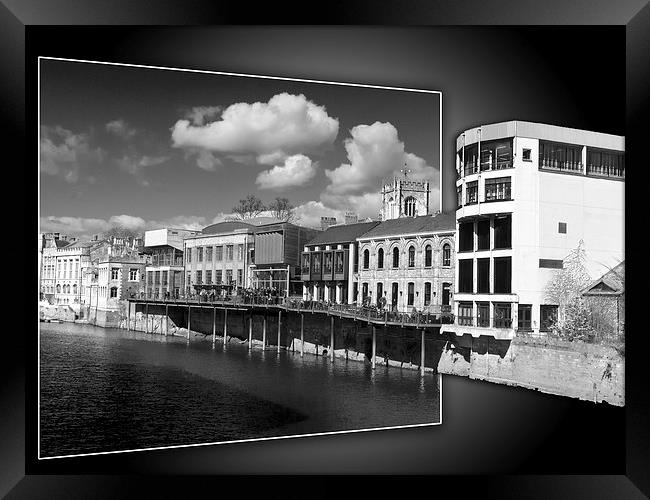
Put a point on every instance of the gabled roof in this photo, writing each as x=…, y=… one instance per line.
x=343, y=233
x=413, y=225
x=610, y=283
x=61, y=243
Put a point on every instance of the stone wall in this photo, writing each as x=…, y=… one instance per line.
x=575, y=369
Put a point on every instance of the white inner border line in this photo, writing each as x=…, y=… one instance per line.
x=223, y=74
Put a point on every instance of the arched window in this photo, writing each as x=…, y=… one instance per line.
x=366, y=258
x=74, y=289
x=395, y=257
x=446, y=255
x=391, y=208
x=411, y=294
x=411, y=256
x=409, y=207
x=380, y=259
x=427, y=256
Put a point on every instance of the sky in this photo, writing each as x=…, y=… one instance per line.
x=148, y=148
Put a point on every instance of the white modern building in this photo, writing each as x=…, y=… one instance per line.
x=165, y=270
x=529, y=194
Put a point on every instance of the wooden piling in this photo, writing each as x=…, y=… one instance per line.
x=166, y=319
x=189, y=319
x=264, y=332
x=146, y=318
x=214, y=325
x=279, y=325
x=332, y=339
x=302, y=334
x=225, y=327
x=250, y=332
x=374, y=346
x=128, y=321
x=422, y=354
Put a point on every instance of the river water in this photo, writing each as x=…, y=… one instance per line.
x=104, y=389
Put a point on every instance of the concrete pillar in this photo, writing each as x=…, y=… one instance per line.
x=332, y=338
x=302, y=334
x=264, y=332
x=279, y=326
x=214, y=325
x=338, y=293
x=189, y=321
x=351, y=259
x=374, y=346
x=225, y=327
x=250, y=332
x=422, y=354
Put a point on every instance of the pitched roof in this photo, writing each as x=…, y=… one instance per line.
x=610, y=283
x=61, y=243
x=226, y=227
x=342, y=233
x=413, y=225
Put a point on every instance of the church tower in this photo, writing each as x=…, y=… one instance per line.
x=404, y=197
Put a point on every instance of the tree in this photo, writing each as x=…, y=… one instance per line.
x=248, y=208
x=282, y=209
x=119, y=231
x=564, y=289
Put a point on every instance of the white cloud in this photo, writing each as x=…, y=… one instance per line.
x=134, y=164
x=374, y=152
x=121, y=129
x=309, y=214
x=199, y=115
x=207, y=160
x=297, y=170
x=285, y=125
x=64, y=153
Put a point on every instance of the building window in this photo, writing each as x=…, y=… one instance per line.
x=208, y=278
x=188, y=251
x=199, y=254
x=502, y=274
x=483, y=275
x=428, y=256
x=497, y=189
x=459, y=196
x=561, y=227
x=496, y=155
x=113, y=292
x=523, y=317
x=502, y=232
x=411, y=294
x=470, y=159
x=228, y=276
x=551, y=263
x=547, y=317
x=115, y=273
x=218, y=253
x=74, y=289
x=411, y=256
x=605, y=163
x=471, y=193
x=149, y=278
x=165, y=275
x=526, y=155
x=240, y=277
x=427, y=294
x=465, y=275
x=466, y=237
x=559, y=156
x=305, y=263
x=446, y=255
x=316, y=262
x=380, y=291
x=339, y=264
x=483, y=234
x=483, y=314
x=199, y=277
x=189, y=279
x=218, y=276
x=465, y=313
x=380, y=258
x=395, y=257
x=240, y=252
x=409, y=207
x=133, y=275
x=230, y=252
x=366, y=258
x=327, y=263
x=502, y=315
x=208, y=254
x=364, y=292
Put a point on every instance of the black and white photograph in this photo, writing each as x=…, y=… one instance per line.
x=278, y=251
x=201, y=279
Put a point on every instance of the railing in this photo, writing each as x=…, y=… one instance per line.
x=564, y=166
x=606, y=171
x=433, y=314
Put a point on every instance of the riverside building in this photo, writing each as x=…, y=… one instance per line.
x=528, y=194
x=328, y=263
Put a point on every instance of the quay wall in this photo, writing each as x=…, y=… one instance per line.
x=588, y=372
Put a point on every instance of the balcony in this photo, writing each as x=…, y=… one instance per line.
x=561, y=166
x=606, y=171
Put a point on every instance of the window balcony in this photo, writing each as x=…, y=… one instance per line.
x=561, y=166
x=465, y=320
x=606, y=171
